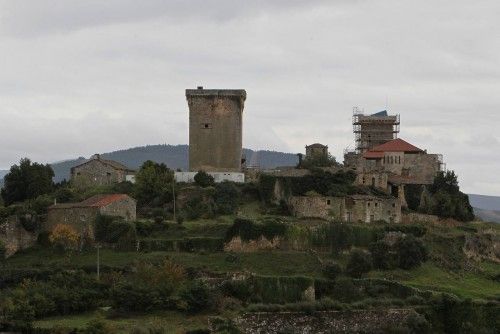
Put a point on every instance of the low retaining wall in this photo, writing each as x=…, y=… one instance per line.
x=412, y=218
x=359, y=321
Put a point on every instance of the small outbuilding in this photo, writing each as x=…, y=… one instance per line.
x=82, y=215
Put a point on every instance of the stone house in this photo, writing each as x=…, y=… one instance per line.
x=82, y=215
x=353, y=208
x=100, y=172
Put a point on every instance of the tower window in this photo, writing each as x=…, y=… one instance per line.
x=206, y=125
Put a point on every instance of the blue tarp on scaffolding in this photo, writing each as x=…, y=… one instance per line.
x=380, y=113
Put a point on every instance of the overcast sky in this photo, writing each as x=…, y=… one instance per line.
x=80, y=77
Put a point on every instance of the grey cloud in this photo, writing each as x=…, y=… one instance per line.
x=79, y=77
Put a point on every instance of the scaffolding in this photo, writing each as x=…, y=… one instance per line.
x=373, y=130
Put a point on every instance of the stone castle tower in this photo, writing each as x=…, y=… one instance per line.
x=375, y=129
x=215, y=129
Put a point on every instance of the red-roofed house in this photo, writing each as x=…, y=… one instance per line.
x=83, y=214
x=395, y=163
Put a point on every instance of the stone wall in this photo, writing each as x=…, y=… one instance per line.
x=373, y=178
x=96, y=173
x=317, y=207
x=358, y=321
x=125, y=208
x=356, y=208
x=15, y=237
x=413, y=217
x=80, y=218
x=215, y=129
x=422, y=167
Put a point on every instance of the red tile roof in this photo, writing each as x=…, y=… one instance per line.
x=396, y=145
x=102, y=200
x=96, y=201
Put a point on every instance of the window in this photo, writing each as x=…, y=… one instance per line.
x=206, y=125
x=368, y=203
x=328, y=202
x=364, y=180
x=399, y=160
x=393, y=205
x=376, y=204
x=392, y=160
x=78, y=173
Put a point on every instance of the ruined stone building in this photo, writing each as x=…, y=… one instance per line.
x=215, y=129
x=352, y=208
x=81, y=216
x=315, y=150
x=100, y=172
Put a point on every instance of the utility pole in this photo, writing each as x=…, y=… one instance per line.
x=98, y=246
x=173, y=194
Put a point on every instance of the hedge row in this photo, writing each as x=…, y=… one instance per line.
x=195, y=244
x=270, y=289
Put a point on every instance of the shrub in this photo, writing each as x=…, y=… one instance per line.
x=115, y=230
x=197, y=297
x=345, y=290
x=359, y=263
x=331, y=270
x=381, y=256
x=411, y=252
x=64, y=237
x=3, y=250
x=203, y=179
x=226, y=197
x=341, y=237
x=196, y=208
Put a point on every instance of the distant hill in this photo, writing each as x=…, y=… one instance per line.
x=488, y=215
x=485, y=202
x=174, y=156
x=486, y=207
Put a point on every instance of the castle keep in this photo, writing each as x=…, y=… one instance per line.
x=215, y=129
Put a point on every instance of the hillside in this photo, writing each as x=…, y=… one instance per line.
x=486, y=207
x=174, y=156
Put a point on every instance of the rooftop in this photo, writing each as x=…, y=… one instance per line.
x=200, y=91
x=396, y=145
x=97, y=201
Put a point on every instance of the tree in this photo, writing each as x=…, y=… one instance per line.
x=411, y=252
x=341, y=237
x=381, y=256
x=203, y=179
x=359, y=263
x=318, y=160
x=153, y=184
x=226, y=197
x=64, y=237
x=27, y=181
x=331, y=270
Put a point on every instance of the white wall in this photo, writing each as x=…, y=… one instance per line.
x=218, y=176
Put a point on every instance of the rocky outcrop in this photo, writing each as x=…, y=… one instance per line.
x=483, y=246
x=238, y=245
x=15, y=237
